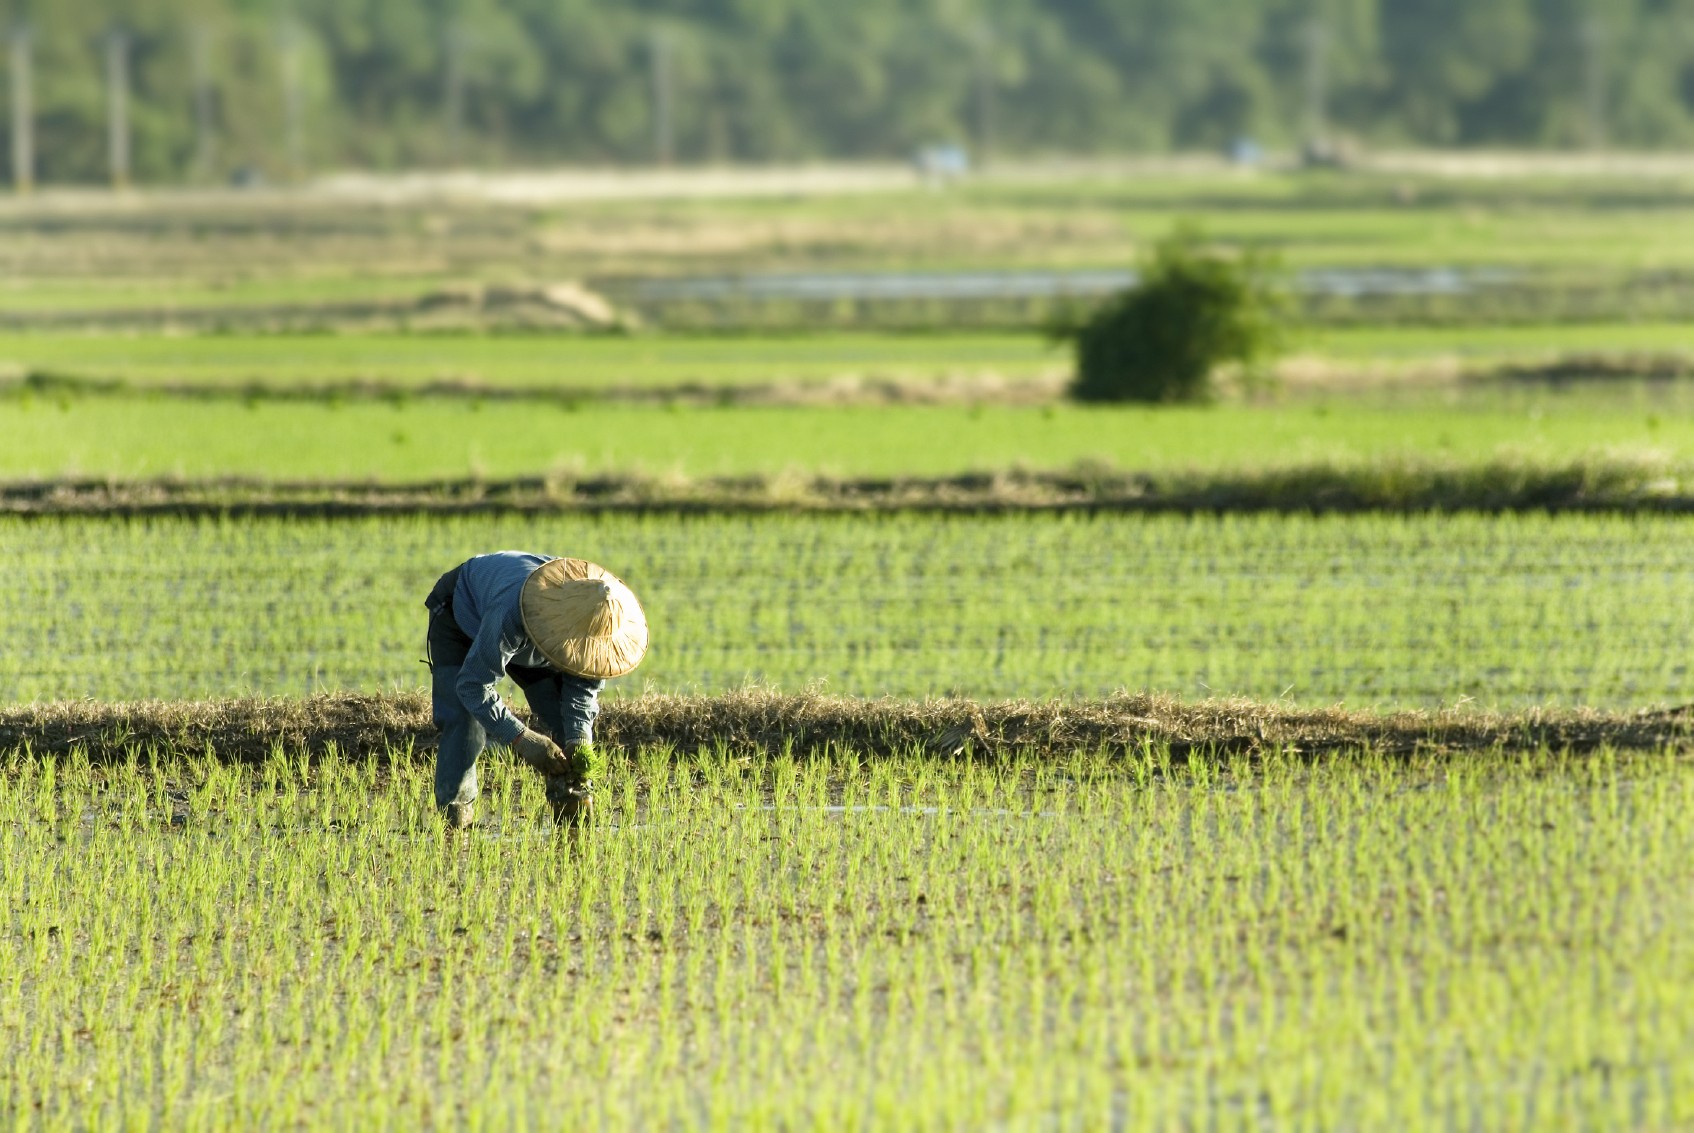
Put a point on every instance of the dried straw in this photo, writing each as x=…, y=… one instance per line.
x=397, y=726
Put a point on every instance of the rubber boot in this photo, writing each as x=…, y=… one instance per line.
x=459, y=816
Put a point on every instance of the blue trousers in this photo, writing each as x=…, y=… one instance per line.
x=564, y=705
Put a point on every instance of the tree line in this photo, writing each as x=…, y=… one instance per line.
x=279, y=87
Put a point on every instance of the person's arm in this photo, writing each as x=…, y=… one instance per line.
x=579, y=704
x=497, y=640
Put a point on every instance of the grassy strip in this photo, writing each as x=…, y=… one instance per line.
x=913, y=380
x=759, y=721
x=1643, y=484
x=549, y=362
x=845, y=389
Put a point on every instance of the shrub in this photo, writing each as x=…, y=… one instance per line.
x=1193, y=310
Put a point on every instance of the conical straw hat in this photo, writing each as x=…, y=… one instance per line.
x=583, y=618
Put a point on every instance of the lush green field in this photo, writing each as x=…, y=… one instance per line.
x=848, y=943
x=1371, y=611
x=559, y=361
x=430, y=438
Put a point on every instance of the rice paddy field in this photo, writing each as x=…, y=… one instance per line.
x=854, y=942
x=1374, y=611
x=1240, y=920
x=425, y=439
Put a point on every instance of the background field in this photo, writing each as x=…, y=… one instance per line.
x=1548, y=249
x=424, y=439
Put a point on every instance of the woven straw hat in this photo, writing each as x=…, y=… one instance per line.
x=583, y=618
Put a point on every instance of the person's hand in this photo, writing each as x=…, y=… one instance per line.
x=541, y=753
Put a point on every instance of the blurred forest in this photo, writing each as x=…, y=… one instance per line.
x=276, y=88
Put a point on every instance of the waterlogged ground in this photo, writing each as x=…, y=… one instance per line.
x=849, y=942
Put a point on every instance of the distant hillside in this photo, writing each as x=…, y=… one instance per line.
x=272, y=88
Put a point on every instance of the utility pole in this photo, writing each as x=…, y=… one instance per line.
x=1594, y=81
x=23, y=112
x=1317, y=85
x=117, y=107
x=293, y=101
x=453, y=89
x=204, y=142
x=664, y=141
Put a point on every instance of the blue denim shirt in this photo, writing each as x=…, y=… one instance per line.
x=486, y=606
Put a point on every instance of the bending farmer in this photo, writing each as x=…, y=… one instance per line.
x=559, y=628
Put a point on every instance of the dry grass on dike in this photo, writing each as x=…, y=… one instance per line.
x=1645, y=484
x=754, y=722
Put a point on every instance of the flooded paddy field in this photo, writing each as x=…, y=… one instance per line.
x=857, y=938
x=1373, y=611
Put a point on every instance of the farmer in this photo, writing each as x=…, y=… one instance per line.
x=559, y=628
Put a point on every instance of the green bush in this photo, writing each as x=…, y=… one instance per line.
x=1193, y=310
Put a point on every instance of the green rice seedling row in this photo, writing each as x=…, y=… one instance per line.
x=839, y=942
x=1373, y=611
